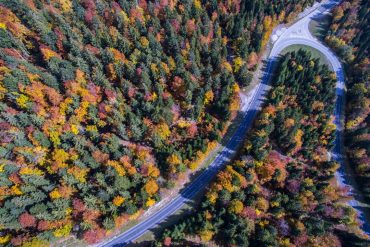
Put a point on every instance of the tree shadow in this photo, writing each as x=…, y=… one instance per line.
x=355, y=240
x=141, y=244
x=186, y=211
x=322, y=25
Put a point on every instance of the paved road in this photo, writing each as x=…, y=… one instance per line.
x=295, y=34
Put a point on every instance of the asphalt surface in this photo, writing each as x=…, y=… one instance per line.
x=298, y=33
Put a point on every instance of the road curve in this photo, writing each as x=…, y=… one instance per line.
x=299, y=34
x=296, y=34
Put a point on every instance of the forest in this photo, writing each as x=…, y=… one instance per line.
x=349, y=36
x=281, y=189
x=105, y=103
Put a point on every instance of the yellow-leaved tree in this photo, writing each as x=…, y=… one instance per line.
x=151, y=187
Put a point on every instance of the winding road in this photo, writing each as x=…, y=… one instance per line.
x=298, y=33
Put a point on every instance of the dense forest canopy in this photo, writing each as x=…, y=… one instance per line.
x=349, y=35
x=102, y=103
x=279, y=191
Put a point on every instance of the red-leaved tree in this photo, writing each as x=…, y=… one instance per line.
x=27, y=220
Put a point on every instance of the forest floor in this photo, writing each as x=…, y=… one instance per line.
x=315, y=53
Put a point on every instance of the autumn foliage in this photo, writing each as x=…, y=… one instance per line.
x=103, y=103
x=27, y=220
x=277, y=192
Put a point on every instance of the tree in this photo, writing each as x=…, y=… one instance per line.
x=151, y=187
x=27, y=220
x=252, y=60
x=167, y=241
x=236, y=206
x=118, y=200
x=93, y=236
x=338, y=13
